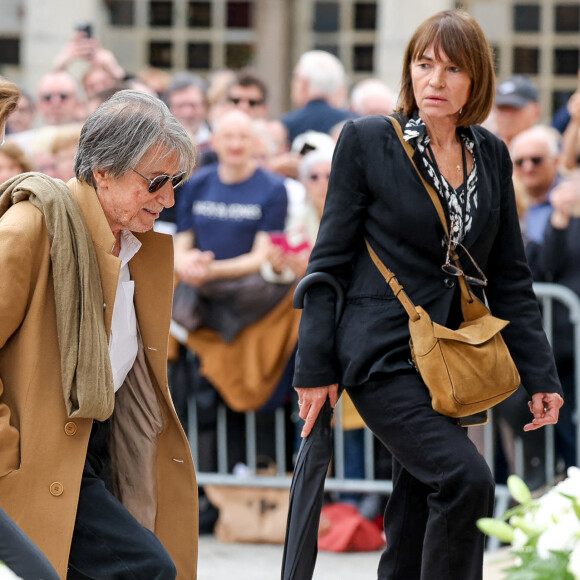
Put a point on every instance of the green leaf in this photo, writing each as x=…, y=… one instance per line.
x=534, y=568
x=501, y=530
x=519, y=490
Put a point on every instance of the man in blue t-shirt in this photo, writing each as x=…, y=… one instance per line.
x=225, y=214
x=227, y=210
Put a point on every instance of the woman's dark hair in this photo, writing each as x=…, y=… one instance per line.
x=460, y=37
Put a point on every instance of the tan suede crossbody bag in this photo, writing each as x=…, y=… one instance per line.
x=467, y=370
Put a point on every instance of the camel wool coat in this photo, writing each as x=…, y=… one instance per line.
x=42, y=450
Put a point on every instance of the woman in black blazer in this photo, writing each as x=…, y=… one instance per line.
x=441, y=484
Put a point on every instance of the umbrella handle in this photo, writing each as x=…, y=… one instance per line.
x=319, y=278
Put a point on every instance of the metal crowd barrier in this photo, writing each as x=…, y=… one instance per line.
x=546, y=293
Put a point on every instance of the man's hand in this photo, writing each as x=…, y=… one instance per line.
x=545, y=408
x=194, y=267
x=79, y=47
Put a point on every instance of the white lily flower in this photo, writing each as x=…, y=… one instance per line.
x=562, y=536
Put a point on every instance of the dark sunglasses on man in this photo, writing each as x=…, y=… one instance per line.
x=535, y=160
x=251, y=102
x=159, y=181
x=51, y=96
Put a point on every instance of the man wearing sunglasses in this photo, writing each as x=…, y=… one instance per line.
x=94, y=465
x=535, y=155
x=248, y=92
x=58, y=99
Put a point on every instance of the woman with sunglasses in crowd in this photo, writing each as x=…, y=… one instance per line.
x=90, y=444
x=441, y=483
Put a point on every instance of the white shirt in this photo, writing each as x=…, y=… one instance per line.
x=123, y=343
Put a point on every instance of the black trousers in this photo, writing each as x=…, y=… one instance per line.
x=108, y=542
x=441, y=484
x=20, y=554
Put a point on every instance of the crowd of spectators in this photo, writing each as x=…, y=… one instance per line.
x=245, y=222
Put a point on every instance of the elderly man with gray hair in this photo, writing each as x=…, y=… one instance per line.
x=318, y=84
x=94, y=465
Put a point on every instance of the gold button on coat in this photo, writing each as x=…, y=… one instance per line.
x=56, y=488
x=70, y=428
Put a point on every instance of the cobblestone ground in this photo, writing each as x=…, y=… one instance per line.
x=219, y=561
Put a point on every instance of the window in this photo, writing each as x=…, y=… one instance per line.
x=332, y=48
x=566, y=61
x=527, y=18
x=160, y=13
x=198, y=55
x=365, y=15
x=199, y=14
x=121, y=12
x=160, y=54
x=239, y=55
x=567, y=17
x=496, y=55
x=239, y=15
x=363, y=58
x=9, y=51
x=326, y=17
x=526, y=60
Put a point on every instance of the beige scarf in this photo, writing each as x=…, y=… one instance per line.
x=87, y=379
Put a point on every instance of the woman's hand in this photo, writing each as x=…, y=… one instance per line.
x=311, y=400
x=545, y=408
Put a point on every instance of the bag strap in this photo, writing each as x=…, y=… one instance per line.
x=396, y=287
x=465, y=290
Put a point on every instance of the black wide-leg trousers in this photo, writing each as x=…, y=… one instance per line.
x=441, y=483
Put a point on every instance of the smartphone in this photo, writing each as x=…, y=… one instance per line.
x=85, y=27
x=281, y=239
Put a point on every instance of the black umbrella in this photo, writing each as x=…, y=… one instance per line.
x=307, y=489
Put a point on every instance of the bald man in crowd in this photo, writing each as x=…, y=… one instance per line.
x=227, y=209
x=58, y=101
x=372, y=97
